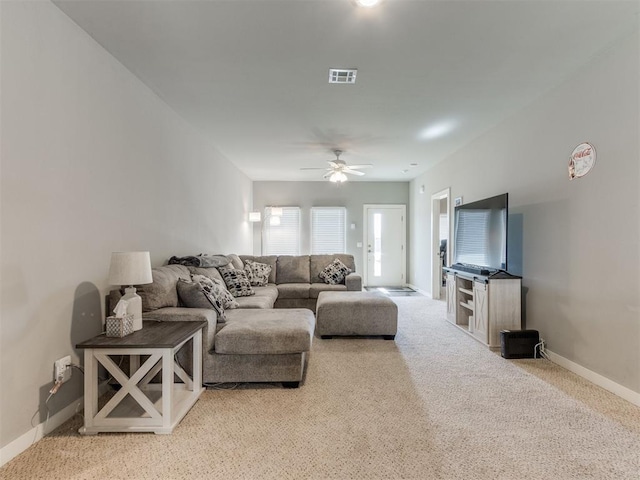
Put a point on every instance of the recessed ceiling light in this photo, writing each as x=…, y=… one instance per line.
x=367, y=3
x=342, y=75
x=437, y=130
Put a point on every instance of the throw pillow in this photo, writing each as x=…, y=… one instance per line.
x=258, y=273
x=194, y=295
x=237, y=282
x=218, y=289
x=335, y=272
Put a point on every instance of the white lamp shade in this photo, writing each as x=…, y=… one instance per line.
x=255, y=216
x=130, y=268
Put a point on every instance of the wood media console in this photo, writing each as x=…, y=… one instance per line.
x=483, y=305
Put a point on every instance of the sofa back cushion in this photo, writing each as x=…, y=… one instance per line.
x=317, y=263
x=268, y=259
x=162, y=292
x=292, y=269
x=235, y=261
x=209, y=272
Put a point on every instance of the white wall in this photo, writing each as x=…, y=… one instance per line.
x=92, y=162
x=581, y=245
x=352, y=195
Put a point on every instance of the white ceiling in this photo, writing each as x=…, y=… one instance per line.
x=252, y=75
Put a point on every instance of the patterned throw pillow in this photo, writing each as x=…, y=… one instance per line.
x=237, y=282
x=258, y=273
x=194, y=295
x=217, y=289
x=335, y=272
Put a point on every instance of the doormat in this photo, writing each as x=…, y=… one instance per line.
x=394, y=291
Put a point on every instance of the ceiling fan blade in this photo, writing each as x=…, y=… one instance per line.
x=364, y=165
x=333, y=164
x=328, y=174
x=353, y=172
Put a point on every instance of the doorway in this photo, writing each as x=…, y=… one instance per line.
x=440, y=245
x=385, y=245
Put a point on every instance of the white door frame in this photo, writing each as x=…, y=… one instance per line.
x=435, y=239
x=365, y=232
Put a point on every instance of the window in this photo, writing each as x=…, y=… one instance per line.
x=328, y=230
x=281, y=233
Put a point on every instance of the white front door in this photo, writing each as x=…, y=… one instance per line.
x=385, y=237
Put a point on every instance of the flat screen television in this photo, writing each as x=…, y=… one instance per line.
x=480, y=233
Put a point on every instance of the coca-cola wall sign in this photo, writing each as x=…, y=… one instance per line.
x=581, y=160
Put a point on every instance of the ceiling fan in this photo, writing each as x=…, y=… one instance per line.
x=338, y=168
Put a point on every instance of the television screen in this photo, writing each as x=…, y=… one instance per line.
x=480, y=233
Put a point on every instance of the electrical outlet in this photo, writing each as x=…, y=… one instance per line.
x=62, y=369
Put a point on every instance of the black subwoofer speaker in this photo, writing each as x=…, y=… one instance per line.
x=518, y=343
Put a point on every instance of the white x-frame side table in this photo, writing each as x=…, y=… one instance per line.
x=139, y=405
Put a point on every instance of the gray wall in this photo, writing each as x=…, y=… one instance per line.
x=580, y=238
x=352, y=195
x=92, y=162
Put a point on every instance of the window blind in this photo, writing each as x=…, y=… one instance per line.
x=282, y=237
x=328, y=230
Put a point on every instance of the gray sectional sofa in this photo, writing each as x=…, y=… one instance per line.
x=268, y=337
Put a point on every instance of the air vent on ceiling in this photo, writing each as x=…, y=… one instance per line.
x=342, y=75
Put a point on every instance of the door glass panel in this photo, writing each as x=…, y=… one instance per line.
x=377, y=244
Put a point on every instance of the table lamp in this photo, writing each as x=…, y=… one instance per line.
x=131, y=268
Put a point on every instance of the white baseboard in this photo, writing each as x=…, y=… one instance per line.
x=34, y=435
x=595, y=378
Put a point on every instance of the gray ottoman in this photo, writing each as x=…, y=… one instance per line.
x=356, y=313
x=257, y=345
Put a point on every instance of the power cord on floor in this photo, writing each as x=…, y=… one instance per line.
x=539, y=349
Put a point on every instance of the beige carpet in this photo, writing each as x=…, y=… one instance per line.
x=434, y=404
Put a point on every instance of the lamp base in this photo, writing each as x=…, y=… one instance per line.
x=134, y=306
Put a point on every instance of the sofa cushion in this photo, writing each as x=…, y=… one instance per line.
x=335, y=272
x=265, y=297
x=258, y=273
x=267, y=259
x=210, y=272
x=194, y=295
x=175, y=314
x=270, y=291
x=255, y=301
x=162, y=292
x=235, y=261
x=316, y=288
x=293, y=290
x=273, y=331
x=317, y=263
x=237, y=282
x=292, y=269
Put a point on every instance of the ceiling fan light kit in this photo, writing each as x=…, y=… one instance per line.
x=338, y=168
x=338, y=177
